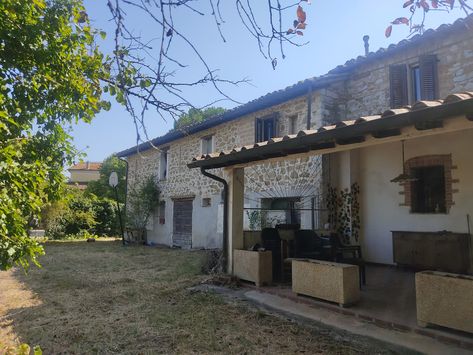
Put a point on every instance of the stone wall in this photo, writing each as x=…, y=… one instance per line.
x=367, y=90
x=267, y=180
x=183, y=182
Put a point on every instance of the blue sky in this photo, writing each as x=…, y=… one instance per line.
x=334, y=33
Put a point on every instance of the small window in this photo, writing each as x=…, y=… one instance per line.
x=206, y=202
x=163, y=166
x=207, y=145
x=293, y=124
x=266, y=128
x=162, y=212
x=416, y=84
x=428, y=190
x=423, y=77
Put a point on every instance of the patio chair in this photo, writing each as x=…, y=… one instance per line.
x=339, y=251
x=271, y=241
x=307, y=244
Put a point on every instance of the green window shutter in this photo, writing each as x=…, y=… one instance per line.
x=398, y=85
x=428, y=77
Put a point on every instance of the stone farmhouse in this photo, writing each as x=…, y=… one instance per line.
x=423, y=68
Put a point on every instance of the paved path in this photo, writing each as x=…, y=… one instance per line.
x=303, y=312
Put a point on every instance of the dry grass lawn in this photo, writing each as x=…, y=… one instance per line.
x=104, y=298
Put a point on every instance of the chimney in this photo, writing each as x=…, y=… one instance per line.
x=366, y=39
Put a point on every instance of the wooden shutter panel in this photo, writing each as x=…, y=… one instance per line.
x=258, y=130
x=276, y=125
x=428, y=77
x=398, y=85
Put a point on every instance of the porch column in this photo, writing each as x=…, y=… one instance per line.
x=236, y=187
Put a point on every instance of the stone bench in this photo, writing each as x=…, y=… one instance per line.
x=445, y=299
x=254, y=266
x=334, y=282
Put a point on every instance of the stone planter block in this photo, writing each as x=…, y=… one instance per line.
x=445, y=299
x=254, y=266
x=329, y=281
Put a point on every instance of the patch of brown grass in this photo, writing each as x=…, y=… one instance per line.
x=104, y=298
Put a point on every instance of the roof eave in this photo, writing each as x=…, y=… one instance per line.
x=310, y=142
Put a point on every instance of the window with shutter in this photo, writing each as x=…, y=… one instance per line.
x=416, y=93
x=266, y=128
x=428, y=77
x=398, y=85
x=207, y=145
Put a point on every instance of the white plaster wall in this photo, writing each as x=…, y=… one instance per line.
x=205, y=233
x=380, y=199
x=162, y=233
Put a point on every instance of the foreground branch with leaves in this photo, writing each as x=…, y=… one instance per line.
x=420, y=8
x=49, y=79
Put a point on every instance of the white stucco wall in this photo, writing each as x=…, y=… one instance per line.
x=380, y=199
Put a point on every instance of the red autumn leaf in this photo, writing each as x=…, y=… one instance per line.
x=408, y=3
x=289, y=31
x=435, y=4
x=400, y=20
x=300, y=33
x=388, y=31
x=425, y=5
x=301, y=26
x=452, y=3
x=301, y=15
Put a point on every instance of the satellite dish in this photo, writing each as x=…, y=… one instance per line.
x=113, y=179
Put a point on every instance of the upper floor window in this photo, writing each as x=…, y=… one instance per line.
x=415, y=84
x=266, y=128
x=293, y=124
x=207, y=145
x=163, y=164
x=421, y=84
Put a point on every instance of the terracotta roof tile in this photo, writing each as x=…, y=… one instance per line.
x=86, y=165
x=348, y=124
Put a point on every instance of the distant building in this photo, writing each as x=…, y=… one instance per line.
x=84, y=172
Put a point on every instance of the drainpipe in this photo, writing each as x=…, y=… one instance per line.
x=309, y=107
x=225, y=214
x=126, y=185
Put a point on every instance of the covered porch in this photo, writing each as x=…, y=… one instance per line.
x=366, y=152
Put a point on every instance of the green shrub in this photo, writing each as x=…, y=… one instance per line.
x=106, y=217
x=142, y=201
x=81, y=215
